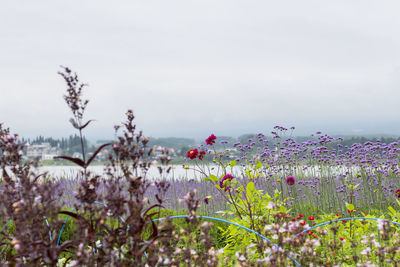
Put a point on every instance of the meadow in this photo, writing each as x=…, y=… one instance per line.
x=266, y=202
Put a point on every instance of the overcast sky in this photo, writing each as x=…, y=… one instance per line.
x=191, y=68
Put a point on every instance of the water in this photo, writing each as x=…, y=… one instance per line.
x=177, y=172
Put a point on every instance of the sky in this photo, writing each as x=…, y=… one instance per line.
x=191, y=68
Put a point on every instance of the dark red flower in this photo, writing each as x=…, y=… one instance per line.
x=341, y=239
x=192, y=154
x=311, y=218
x=226, y=177
x=211, y=140
x=290, y=180
x=397, y=193
x=201, y=155
x=228, y=188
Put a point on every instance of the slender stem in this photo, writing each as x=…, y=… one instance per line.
x=83, y=153
x=234, y=204
x=82, y=146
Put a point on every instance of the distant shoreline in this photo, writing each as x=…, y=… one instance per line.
x=176, y=161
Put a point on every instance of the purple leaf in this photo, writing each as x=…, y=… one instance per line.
x=95, y=153
x=77, y=161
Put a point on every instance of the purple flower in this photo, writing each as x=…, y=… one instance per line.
x=290, y=180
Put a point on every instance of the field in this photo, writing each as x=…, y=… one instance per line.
x=267, y=202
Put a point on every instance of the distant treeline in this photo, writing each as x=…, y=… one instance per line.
x=182, y=145
x=68, y=145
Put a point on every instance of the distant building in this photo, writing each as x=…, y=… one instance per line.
x=77, y=155
x=43, y=151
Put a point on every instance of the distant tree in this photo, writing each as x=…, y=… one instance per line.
x=244, y=139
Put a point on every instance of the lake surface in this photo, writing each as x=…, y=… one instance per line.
x=177, y=172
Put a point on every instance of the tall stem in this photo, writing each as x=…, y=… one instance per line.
x=83, y=151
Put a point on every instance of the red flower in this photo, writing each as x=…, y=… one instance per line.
x=397, y=193
x=337, y=215
x=341, y=239
x=303, y=223
x=192, y=154
x=300, y=216
x=201, y=155
x=293, y=219
x=311, y=218
x=315, y=236
x=344, y=221
x=211, y=140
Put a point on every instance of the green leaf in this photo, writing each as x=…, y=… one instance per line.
x=232, y=163
x=217, y=186
x=392, y=210
x=259, y=165
x=213, y=178
x=250, y=188
x=277, y=193
x=349, y=206
x=240, y=189
x=282, y=209
x=221, y=229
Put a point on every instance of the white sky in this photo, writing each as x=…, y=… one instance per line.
x=190, y=68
